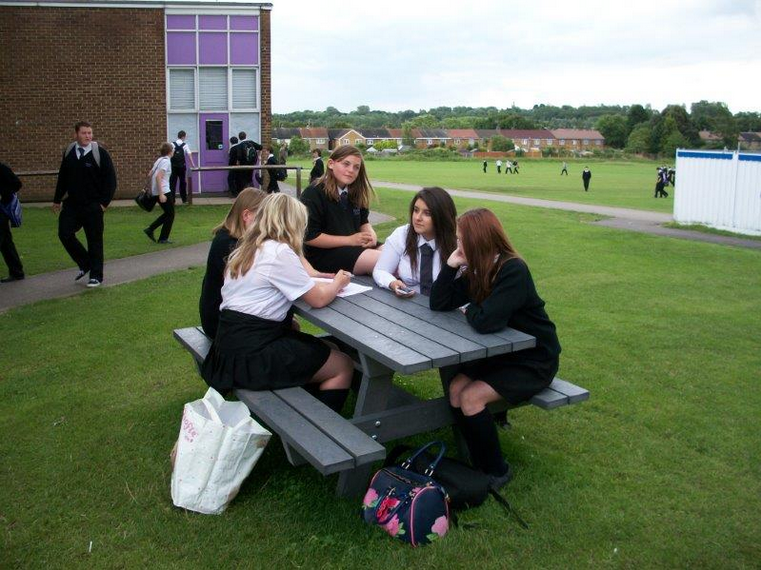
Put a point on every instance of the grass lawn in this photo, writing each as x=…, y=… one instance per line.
x=41, y=250
x=659, y=469
x=621, y=184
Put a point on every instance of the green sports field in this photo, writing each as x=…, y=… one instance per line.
x=621, y=184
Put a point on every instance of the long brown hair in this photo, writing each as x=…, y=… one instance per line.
x=249, y=199
x=486, y=247
x=280, y=218
x=360, y=191
x=444, y=216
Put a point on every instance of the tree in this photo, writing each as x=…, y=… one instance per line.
x=683, y=122
x=613, y=128
x=425, y=121
x=673, y=141
x=298, y=145
x=639, y=139
x=363, y=110
x=407, y=137
x=502, y=144
x=637, y=114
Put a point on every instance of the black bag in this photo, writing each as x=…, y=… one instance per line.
x=281, y=174
x=178, y=158
x=467, y=487
x=145, y=200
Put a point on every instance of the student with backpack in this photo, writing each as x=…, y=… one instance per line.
x=488, y=275
x=247, y=155
x=180, y=159
x=273, y=175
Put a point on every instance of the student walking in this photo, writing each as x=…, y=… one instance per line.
x=268, y=177
x=232, y=160
x=180, y=159
x=256, y=346
x=9, y=185
x=515, y=167
x=318, y=167
x=87, y=180
x=485, y=163
x=586, y=176
x=497, y=287
x=565, y=169
x=499, y=167
x=508, y=167
x=160, y=173
x=661, y=182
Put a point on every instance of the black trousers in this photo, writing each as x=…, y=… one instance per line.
x=499, y=169
x=166, y=219
x=8, y=249
x=586, y=185
x=178, y=173
x=90, y=218
x=243, y=179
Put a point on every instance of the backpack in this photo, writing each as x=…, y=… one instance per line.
x=248, y=153
x=467, y=487
x=280, y=173
x=178, y=158
x=95, y=151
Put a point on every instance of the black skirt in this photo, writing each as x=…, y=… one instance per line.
x=258, y=354
x=513, y=378
x=331, y=260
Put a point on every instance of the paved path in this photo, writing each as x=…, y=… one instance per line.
x=641, y=221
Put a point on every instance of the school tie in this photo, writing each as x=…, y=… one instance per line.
x=344, y=198
x=81, y=152
x=426, y=269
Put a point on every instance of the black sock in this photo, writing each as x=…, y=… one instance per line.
x=334, y=399
x=483, y=442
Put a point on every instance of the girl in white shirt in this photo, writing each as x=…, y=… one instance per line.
x=403, y=265
x=255, y=346
x=160, y=173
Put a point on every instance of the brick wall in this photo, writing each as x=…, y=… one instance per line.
x=266, y=71
x=105, y=66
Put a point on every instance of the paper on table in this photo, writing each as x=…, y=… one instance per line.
x=350, y=289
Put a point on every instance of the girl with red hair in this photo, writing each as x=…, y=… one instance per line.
x=496, y=285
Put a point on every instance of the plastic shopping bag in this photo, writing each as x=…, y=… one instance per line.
x=218, y=446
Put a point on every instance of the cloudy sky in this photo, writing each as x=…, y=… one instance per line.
x=408, y=54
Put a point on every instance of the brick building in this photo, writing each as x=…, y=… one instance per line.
x=139, y=72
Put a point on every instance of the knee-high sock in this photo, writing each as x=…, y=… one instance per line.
x=334, y=399
x=483, y=442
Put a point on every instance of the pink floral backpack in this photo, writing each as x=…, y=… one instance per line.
x=410, y=506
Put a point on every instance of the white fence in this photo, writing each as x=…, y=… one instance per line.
x=720, y=189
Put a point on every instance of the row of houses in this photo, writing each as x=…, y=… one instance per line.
x=525, y=139
x=747, y=140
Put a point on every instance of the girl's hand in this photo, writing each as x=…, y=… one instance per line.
x=457, y=258
x=396, y=287
x=342, y=279
x=368, y=239
x=358, y=239
x=322, y=275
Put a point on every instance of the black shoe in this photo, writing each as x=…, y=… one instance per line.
x=11, y=278
x=92, y=283
x=82, y=273
x=149, y=233
x=496, y=482
x=165, y=241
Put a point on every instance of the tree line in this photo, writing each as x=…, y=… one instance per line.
x=635, y=128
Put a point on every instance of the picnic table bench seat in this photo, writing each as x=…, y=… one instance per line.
x=310, y=431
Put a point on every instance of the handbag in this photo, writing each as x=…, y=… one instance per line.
x=410, y=506
x=466, y=486
x=13, y=211
x=145, y=199
x=218, y=446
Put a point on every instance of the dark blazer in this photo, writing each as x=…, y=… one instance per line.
x=84, y=181
x=9, y=183
x=317, y=170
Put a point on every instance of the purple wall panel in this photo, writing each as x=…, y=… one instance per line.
x=212, y=22
x=181, y=22
x=181, y=48
x=244, y=23
x=212, y=48
x=244, y=49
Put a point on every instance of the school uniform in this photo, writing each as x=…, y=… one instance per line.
x=211, y=290
x=317, y=170
x=333, y=217
x=394, y=263
x=179, y=168
x=255, y=346
x=513, y=302
x=166, y=219
x=9, y=185
x=88, y=187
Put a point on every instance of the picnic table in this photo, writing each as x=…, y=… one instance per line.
x=385, y=335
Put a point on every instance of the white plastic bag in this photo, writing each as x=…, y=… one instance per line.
x=219, y=445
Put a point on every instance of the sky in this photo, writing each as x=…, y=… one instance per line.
x=407, y=54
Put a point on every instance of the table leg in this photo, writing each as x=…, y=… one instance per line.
x=373, y=397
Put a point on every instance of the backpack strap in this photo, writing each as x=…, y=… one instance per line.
x=95, y=151
x=502, y=501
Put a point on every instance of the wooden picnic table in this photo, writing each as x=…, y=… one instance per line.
x=391, y=334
